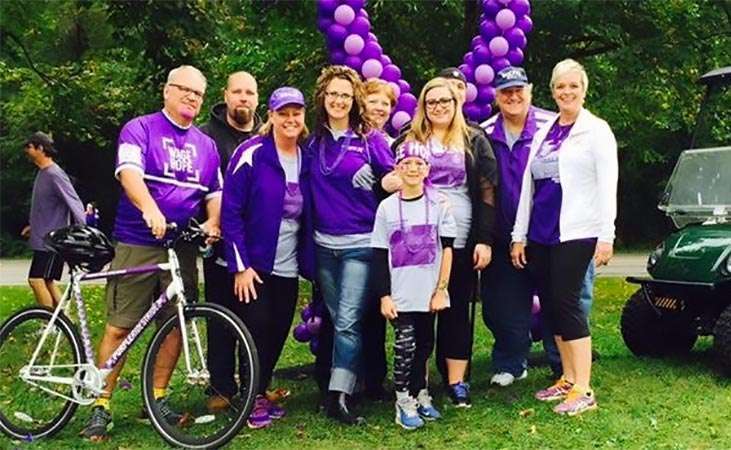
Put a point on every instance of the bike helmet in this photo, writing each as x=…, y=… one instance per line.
x=81, y=246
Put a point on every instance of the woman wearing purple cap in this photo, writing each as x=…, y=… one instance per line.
x=462, y=166
x=346, y=159
x=268, y=239
x=566, y=213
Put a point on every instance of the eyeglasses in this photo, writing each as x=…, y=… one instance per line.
x=339, y=96
x=188, y=91
x=443, y=102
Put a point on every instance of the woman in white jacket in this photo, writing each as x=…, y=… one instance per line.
x=565, y=217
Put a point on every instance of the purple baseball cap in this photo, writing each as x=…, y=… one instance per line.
x=412, y=149
x=284, y=96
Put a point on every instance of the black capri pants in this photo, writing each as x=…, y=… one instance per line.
x=454, y=336
x=558, y=271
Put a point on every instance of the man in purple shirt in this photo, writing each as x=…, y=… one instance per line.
x=507, y=293
x=167, y=168
x=54, y=204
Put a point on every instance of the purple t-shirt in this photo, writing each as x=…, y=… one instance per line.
x=54, y=204
x=180, y=167
x=547, y=194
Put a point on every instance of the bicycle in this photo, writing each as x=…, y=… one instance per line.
x=39, y=396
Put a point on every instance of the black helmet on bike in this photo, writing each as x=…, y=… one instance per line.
x=81, y=246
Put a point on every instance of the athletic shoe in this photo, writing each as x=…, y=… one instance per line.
x=259, y=417
x=275, y=411
x=577, y=402
x=558, y=391
x=426, y=409
x=99, y=425
x=460, y=394
x=407, y=415
x=172, y=417
x=504, y=379
x=277, y=395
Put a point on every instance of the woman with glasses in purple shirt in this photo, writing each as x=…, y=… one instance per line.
x=345, y=159
x=268, y=238
x=566, y=213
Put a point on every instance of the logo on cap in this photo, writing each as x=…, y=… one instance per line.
x=511, y=76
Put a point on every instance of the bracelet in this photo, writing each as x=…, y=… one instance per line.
x=442, y=285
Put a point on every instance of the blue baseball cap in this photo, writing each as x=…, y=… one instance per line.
x=510, y=77
x=284, y=96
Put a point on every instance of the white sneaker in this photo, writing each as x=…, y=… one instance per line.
x=504, y=379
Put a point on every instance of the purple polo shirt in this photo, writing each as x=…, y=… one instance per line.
x=547, y=194
x=180, y=167
x=511, y=164
x=339, y=207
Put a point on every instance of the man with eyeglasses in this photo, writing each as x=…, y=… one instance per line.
x=507, y=293
x=167, y=168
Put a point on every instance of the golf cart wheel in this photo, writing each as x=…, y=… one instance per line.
x=722, y=340
x=648, y=333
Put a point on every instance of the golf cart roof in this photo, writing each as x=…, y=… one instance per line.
x=721, y=75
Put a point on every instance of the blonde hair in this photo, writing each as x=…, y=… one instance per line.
x=378, y=86
x=421, y=129
x=566, y=66
x=267, y=129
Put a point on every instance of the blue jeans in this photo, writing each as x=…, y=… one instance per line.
x=344, y=281
x=586, y=299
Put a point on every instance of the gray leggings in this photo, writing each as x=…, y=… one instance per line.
x=413, y=343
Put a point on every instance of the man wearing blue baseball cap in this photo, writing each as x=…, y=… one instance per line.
x=507, y=293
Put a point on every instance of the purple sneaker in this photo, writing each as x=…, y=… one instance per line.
x=259, y=417
x=275, y=411
x=558, y=391
x=577, y=402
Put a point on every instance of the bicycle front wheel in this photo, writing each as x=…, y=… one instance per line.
x=37, y=408
x=182, y=417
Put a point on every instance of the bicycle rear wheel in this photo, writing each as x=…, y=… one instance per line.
x=182, y=417
x=27, y=411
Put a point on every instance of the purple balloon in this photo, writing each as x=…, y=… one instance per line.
x=499, y=46
x=396, y=88
x=472, y=111
x=385, y=60
x=326, y=7
x=525, y=23
x=485, y=94
x=307, y=312
x=323, y=23
x=391, y=73
x=488, y=30
x=505, y=19
x=336, y=34
x=371, y=50
x=301, y=333
x=485, y=111
x=354, y=62
x=404, y=86
x=372, y=37
x=499, y=64
x=468, y=72
x=477, y=40
x=491, y=7
x=515, y=56
x=372, y=68
x=470, y=93
x=314, y=346
x=313, y=325
x=355, y=4
x=338, y=57
x=520, y=7
x=360, y=26
x=399, y=119
x=484, y=74
x=353, y=44
x=516, y=37
x=406, y=102
x=469, y=59
x=481, y=54
x=344, y=14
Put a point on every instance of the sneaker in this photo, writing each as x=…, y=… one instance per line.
x=460, y=394
x=407, y=415
x=99, y=425
x=218, y=403
x=558, y=391
x=259, y=417
x=275, y=411
x=577, y=401
x=277, y=395
x=426, y=409
x=173, y=417
x=504, y=379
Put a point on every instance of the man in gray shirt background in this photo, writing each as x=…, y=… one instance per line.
x=54, y=204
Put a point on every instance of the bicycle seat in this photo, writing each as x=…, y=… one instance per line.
x=81, y=246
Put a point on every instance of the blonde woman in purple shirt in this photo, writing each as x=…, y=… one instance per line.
x=565, y=217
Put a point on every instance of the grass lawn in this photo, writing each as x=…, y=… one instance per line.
x=644, y=403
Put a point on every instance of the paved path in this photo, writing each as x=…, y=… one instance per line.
x=15, y=271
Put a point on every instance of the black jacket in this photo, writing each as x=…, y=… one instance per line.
x=227, y=138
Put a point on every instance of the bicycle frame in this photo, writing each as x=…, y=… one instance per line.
x=174, y=290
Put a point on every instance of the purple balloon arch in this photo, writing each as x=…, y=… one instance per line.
x=504, y=25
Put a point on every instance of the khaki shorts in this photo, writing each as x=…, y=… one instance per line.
x=129, y=297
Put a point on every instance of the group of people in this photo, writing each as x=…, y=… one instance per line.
x=395, y=230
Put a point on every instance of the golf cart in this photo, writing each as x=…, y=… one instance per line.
x=688, y=293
